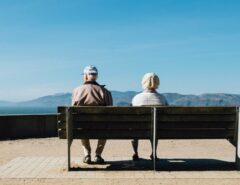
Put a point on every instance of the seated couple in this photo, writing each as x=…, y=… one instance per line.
x=93, y=94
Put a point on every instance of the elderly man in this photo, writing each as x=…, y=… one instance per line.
x=91, y=94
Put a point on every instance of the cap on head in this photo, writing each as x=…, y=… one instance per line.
x=90, y=70
x=150, y=81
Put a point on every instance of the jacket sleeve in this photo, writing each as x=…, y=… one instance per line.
x=108, y=98
x=73, y=98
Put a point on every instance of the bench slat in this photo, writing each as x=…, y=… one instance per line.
x=143, y=134
x=111, y=118
x=107, y=134
x=113, y=125
x=62, y=117
x=148, y=125
x=61, y=110
x=196, y=118
x=112, y=110
x=196, y=110
x=195, y=125
x=195, y=134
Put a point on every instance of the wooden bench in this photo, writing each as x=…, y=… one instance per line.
x=149, y=123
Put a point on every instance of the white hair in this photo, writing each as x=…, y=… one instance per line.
x=150, y=81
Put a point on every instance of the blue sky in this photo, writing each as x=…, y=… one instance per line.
x=193, y=45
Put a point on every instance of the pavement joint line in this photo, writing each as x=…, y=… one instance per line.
x=22, y=167
x=8, y=167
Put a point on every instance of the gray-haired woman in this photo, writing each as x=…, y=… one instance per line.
x=149, y=96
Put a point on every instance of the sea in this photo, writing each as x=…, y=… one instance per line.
x=27, y=110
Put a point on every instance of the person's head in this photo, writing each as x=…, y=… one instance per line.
x=90, y=73
x=150, y=81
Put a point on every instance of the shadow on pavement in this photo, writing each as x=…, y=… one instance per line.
x=162, y=165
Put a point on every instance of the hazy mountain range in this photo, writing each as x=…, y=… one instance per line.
x=124, y=99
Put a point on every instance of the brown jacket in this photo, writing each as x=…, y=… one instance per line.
x=91, y=94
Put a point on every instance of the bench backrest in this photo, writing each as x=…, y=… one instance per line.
x=138, y=122
x=196, y=122
x=107, y=122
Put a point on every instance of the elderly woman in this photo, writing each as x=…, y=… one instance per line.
x=149, y=96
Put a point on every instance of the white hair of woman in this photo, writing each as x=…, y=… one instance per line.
x=150, y=81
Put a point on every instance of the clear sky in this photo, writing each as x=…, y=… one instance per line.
x=193, y=45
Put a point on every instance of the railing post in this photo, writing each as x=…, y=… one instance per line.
x=69, y=134
x=154, y=136
x=238, y=140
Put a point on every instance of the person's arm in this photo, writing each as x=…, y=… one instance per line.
x=73, y=98
x=108, y=98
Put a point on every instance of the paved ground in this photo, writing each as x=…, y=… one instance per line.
x=115, y=168
x=43, y=162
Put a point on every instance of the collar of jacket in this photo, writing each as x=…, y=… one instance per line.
x=93, y=83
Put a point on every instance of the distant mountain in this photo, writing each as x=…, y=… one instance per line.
x=49, y=101
x=124, y=99
x=6, y=103
x=218, y=99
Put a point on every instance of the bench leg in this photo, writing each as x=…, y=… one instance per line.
x=238, y=143
x=69, y=135
x=154, y=137
x=238, y=162
x=69, y=155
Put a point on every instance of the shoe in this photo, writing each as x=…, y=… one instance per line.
x=87, y=159
x=98, y=159
x=135, y=157
x=151, y=157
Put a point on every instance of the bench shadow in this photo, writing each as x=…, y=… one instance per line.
x=161, y=165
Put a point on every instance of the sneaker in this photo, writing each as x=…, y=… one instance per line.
x=135, y=157
x=87, y=159
x=98, y=159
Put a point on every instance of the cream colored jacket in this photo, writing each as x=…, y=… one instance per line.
x=91, y=94
x=149, y=97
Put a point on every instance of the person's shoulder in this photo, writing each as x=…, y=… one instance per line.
x=139, y=95
x=137, y=99
x=104, y=89
x=79, y=88
x=163, y=99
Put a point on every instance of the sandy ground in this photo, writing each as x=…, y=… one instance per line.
x=188, y=149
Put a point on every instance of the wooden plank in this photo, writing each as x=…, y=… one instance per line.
x=177, y=125
x=61, y=109
x=196, y=118
x=62, y=117
x=143, y=134
x=111, y=118
x=196, y=110
x=112, y=125
x=105, y=134
x=105, y=125
x=61, y=125
x=62, y=134
x=195, y=134
x=111, y=110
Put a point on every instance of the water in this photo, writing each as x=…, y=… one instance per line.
x=27, y=110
